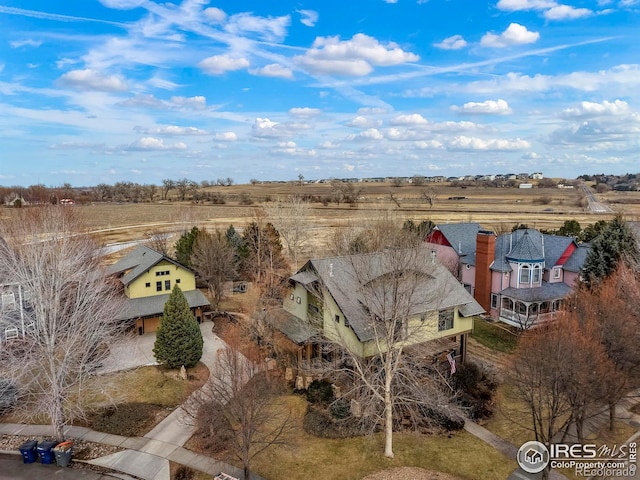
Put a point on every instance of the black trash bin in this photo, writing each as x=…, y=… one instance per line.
x=28, y=451
x=45, y=452
x=63, y=452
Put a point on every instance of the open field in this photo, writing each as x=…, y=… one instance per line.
x=497, y=209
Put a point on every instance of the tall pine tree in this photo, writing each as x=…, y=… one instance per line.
x=616, y=243
x=178, y=339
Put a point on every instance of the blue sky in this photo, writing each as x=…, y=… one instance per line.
x=138, y=90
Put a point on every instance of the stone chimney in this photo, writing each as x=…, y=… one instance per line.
x=485, y=254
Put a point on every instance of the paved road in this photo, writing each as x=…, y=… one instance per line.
x=594, y=205
x=11, y=467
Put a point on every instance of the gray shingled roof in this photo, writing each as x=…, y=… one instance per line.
x=137, y=262
x=547, y=292
x=154, y=305
x=554, y=247
x=356, y=282
x=461, y=236
x=576, y=261
x=293, y=327
x=526, y=248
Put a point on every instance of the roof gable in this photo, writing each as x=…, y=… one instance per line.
x=131, y=266
x=356, y=284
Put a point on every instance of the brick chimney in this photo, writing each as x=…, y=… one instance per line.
x=485, y=254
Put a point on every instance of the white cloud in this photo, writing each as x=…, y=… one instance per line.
x=25, y=43
x=273, y=70
x=190, y=103
x=474, y=143
x=215, y=14
x=499, y=106
x=517, y=5
x=309, y=17
x=515, y=34
x=363, y=122
x=76, y=145
x=455, y=42
x=428, y=144
x=122, y=4
x=170, y=130
x=411, y=119
x=371, y=134
x=591, y=109
x=357, y=57
x=269, y=28
x=154, y=144
x=219, y=64
x=226, y=137
x=305, y=111
x=162, y=83
x=566, y=12
x=88, y=79
x=265, y=128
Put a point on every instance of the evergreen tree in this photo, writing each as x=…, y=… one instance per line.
x=570, y=228
x=184, y=246
x=178, y=339
x=616, y=243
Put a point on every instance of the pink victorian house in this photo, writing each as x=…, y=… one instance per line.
x=519, y=278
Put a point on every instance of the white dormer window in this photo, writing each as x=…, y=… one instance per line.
x=556, y=273
x=525, y=274
x=536, y=274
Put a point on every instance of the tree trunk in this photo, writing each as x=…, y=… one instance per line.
x=388, y=419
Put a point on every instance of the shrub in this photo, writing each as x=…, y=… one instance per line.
x=184, y=473
x=340, y=409
x=320, y=391
x=475, y=390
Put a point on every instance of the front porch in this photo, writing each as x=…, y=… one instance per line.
x=524, y=307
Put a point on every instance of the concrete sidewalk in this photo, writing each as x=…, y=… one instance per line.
x=145, y=458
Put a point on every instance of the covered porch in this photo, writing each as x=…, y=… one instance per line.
x=525, y=307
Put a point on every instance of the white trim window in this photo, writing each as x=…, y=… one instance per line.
x=557, y=273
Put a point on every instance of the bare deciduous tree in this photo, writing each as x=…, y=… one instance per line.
x=291, y=218
x=399, y=292
x=214, y=260
x=241, y=404
x=64, y=316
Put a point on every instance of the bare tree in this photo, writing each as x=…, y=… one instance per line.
x=241, y=404
x=213, y=258
x=184, y=187
x=65, y=314
x=430, y=194
x=291, y=219
x=167, y=186
x=399, y=292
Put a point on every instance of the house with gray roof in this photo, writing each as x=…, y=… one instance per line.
x=147, y=277
x=349, y=301
x=520, y=277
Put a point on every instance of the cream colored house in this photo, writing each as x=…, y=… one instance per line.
x=351, y=301
x=147, y=278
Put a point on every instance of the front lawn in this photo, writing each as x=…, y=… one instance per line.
x=494, y=335
x=459, y=454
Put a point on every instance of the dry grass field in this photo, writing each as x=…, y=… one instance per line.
x=497, y=209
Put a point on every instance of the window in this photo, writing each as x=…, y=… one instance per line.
x=167, y=284
x=467, y=287
x=291, y=296
x=346, y=322
x=148, y=284
x=445, y=320
x=536, y=274
x=337, y=318
x=313, y=308
x=177, y=280
x=162, y=273
x=556, y=273
x=494, y=300
x=524, y=274
x=158, y=286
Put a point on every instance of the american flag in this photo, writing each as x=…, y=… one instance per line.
x=452, y=362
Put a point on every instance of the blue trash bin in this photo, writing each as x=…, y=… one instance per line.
x=45, y=452
x=28, y=451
